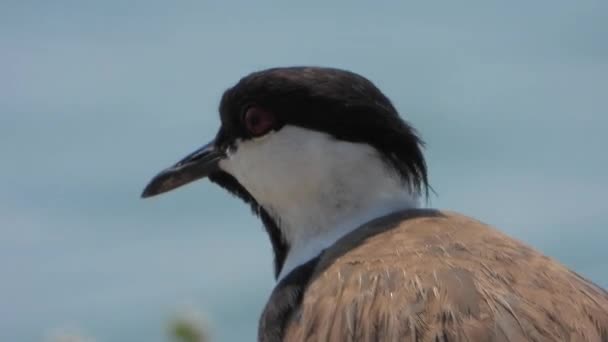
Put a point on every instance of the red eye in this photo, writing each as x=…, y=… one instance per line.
x=258, y=121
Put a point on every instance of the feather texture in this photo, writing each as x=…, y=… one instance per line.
x=423, y=275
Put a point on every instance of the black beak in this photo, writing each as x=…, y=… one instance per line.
x=197, y=165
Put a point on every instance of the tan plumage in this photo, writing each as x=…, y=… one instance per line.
x=424, y=275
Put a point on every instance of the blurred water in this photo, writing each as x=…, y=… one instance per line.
x=95, y=97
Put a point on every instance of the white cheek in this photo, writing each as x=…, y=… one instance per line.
x=277, y=166
x=297, y=171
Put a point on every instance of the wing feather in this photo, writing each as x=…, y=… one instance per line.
x=443, y=277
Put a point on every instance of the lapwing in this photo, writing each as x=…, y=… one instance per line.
x=338, y=179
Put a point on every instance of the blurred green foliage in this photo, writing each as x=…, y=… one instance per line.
x=187, y=329
x=188, y=326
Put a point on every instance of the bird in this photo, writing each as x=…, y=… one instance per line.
x=339, y=180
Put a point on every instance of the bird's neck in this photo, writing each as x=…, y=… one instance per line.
x=316, y=188
x=316, y=225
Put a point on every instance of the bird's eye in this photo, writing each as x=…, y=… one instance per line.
x=258, y=121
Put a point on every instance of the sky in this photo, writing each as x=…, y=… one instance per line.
x=97, y=96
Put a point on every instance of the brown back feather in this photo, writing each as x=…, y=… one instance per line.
x=438, y=276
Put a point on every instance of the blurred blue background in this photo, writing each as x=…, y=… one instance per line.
x=97, y=96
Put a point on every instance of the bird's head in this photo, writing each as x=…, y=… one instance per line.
x=307, y=147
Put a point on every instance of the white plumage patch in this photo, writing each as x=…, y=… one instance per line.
x=317, y=188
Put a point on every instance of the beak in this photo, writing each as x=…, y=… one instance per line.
x=197, y=165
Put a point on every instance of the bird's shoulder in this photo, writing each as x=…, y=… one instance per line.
x=427, y=275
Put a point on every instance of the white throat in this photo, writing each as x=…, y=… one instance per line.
x=315, y=187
